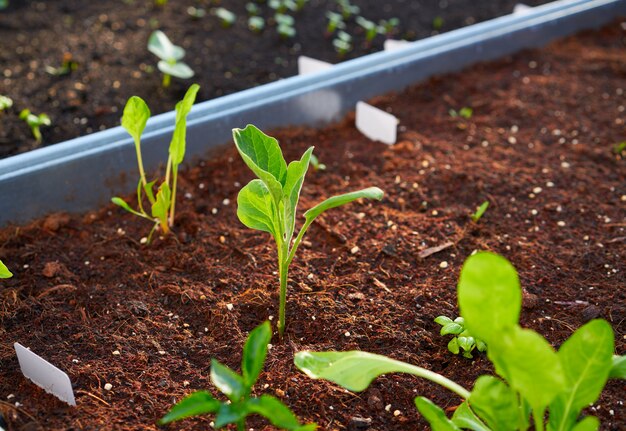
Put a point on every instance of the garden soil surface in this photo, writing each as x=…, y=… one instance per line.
x=108, y=39
x=538, y=147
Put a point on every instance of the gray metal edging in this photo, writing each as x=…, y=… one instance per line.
x=83, y=173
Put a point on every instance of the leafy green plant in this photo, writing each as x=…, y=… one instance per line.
x=480, y=211
x=67, y=66
x=238, y=388
x=463, y=342
x=226, y=17
x=163, y=204
x=5, y=102
x=269, y=203
x=256, y=24
x=335, y=21
x=35, y=122
x=343, y=43
x=533, y=376
x=317, y=166
x=4, y=271
x=170, y=56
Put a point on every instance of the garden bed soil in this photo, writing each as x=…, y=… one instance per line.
x=108, y=41
x=538, y=147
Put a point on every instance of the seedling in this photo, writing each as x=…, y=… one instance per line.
x=437, y=23
x=480, y=211
x=196, y=12
x=347, y=9
x=335, y=21
x=35, y=122
x=237, y=388
x=4, y=271
x=300, y=4
x=67, y=67
x=534, y=376
x=226, y=17
x=463, y=342
x=252, y=9
x=170, y=55
x=343, y=43
x=160, y=3
x=618, y=148
x=317, y=166
x=464, y=112
x=282, y=6
x=256, y=24
x=388, y=26
x=163, y=204
x=285, y=25
x=371, y=29
x=269, y=203
x=5, y=102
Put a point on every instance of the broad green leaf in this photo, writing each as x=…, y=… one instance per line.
x=256, y=209
x=179, y=138
x=179, y=69
x=255, y=352
x=435, y=416
x=230, y=414
x=198, y=403
x=296, y=171
x=443, y=320
x=335, y=201
x=162, y=204
x=530, y=366
x=490, y=297
x=161, y=46
x=227, y=381
x=451, y=328
x=586, y=358
x=618, y=368
x=590, y=423
x=465, y=418
x=453, y=346
x=264, y=157
x=495, y=403
x=135, y=117
x=4, y=271
x=276, y=412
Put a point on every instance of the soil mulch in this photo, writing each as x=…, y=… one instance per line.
x=108, y=40
x=538, y=147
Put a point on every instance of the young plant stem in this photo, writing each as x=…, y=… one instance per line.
x=283, y=270
x=538, y=419
x=434, y=377
x=142, y=173
x=37, y=134
x=173, y=202
x=167, y=79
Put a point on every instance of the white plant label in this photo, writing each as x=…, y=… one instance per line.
x=308, y=65
x=521, y=8
x=394, y=45
x=45, y=375
x=376, y=124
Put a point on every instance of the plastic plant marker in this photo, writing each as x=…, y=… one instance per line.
x=308, y=65
x=394, y=45
x=45, y=375
x=376, y=124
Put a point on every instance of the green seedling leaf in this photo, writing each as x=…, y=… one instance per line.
x=618, y=148
x=5, y=102
x=453, y=346
x=179, y=138
x=227, y=381
x=161, y=46
x=443, y=320
x=296, y=171
x=586, y=358
x=490, y=296
x=466, y=113
x=336, y=201
x=255, y=352
x=227, y=18
x=161, y=206
x=230, y=414
x=121, y=203
x=179, y=69
x=590, y=423
x=435, y=416
x=451, y=328
x=466, y=343
x=277, y=413
x=256, y=209
x=256, y=24
x=480, y=211
x=135, y=117
x=618, y=368
x=495, y=403
x=465, y=418
x=196, y=404
x=4, y=271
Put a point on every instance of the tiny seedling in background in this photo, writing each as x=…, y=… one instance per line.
x=300, y=4
x=343, y=43
x=371, y=29
x=5, y=102
x=252, y=9
x=226, y=17
x=480, y=211
x=388, y=26
x=256, y=24
x=35, y=122
x=437, y=23
x=282, y=6
x=4, y=271
x=464, y=112
x=618, y=148
x=67, y=67
x=238, y=389
x=196, y=12
x=163, y=204
x=285, y=25
x=170, y=56
x=463, y=342
x=335, y=22
x=269, y=203
x=347, y=9
x=317, y=166
x=160, y=3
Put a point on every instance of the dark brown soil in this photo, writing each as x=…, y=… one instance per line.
x=538, y=147
x=108, y=38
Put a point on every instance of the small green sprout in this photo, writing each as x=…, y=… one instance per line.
x=5, y=102
x=196, y=12
x=347, y=9
x=618, y=148
x=4, y=271
x=285, y=25
x=317, y=166
x=226, y=17
x=163, y=204
x=282, y=6
x=388, y=26
x=343, y=43
x=480, y=211
x=238, y=389
x=463, y=339
x=269, y=203
x=335, y=21
x=252, y=9
x=371, y=29
x=437, y=23
x=160, y=3
x=35, y=122
x=256, y=24
x=67, y=67
x=170, y=56
x=464, y=112
x=300, y=4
